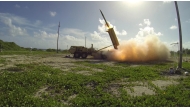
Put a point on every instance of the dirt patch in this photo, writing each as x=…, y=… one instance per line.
x=55, y=61
x=69, y=99
x=134, y=65
x=8, y=56
x=40, y=91
x=91, y=85
x=66, y=66
x=58, y=59
x=97, y=70
x=91, y=69
x=1, y=65
x=162, y=84
x=84, y=72
x=51, y=91
x=175, y=77
x=12, y=60
x=113, y=89
x=136, y=88
x=8, y=66
x=99, y=61
x=139, y=91
x=72, y=97
x=125, y=82
x=48, y=91
x=109, y=63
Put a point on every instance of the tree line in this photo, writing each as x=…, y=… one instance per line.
x=184, y=50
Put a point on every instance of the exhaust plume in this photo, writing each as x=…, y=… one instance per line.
x=146, y=46
x=140, y=49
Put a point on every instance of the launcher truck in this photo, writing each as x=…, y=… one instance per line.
x=83, y=52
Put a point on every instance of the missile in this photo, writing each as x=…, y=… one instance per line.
x=112, y=34
x=104, y=19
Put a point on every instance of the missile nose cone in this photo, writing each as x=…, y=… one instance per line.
x=100, y=11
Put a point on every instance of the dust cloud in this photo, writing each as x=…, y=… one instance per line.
x=140, y=49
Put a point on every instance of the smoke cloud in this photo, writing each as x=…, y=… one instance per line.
x=148, y=48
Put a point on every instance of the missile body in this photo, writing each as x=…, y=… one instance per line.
x=104, y=19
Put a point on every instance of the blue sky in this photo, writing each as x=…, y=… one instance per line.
x=35, y=24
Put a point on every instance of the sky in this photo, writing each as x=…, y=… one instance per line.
x=35, y=23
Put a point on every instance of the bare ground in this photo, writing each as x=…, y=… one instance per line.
x=163, y=84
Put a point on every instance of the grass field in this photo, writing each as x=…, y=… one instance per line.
x=48, y=79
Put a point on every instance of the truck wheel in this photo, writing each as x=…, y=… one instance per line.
x=76, y=55
x=84, y=55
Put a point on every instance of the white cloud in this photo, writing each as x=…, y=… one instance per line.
x=147, y=30
x=119, y=33
x=71, y=38
x=73, y=32
x=17, y=20
x=102, y=28
x=123, y=32
x=45, y=35
x=52, y=13
x=173, y=27
x=96, y=36
x=13, y=30
x=167, y=1
x=12, y=21
x=147, y=22
x=18, y=31
x=73, y=41
x=17, y=6
x=140, y=24
x=38, y=22
x=159, y=34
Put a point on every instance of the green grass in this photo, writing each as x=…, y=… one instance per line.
x=19, y=85
x=26, y=53
x=2, y=60
x=10, y=46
